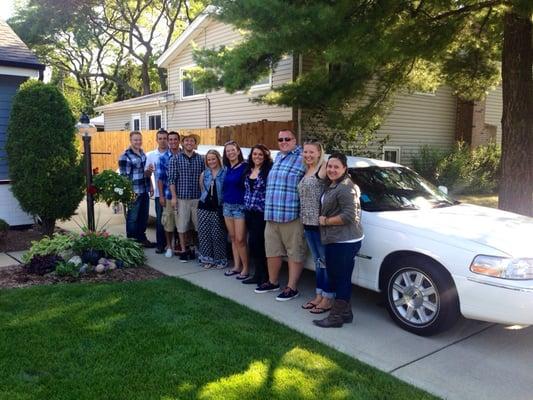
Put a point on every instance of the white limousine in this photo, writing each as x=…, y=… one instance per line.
x=434, y=258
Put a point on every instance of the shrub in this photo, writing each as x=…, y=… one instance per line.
x=90, y=240
x=4, y=226
x=453, y=170
x=43, y=160
x=41, y=265
x=427, y=160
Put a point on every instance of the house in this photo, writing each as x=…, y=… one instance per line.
x=436, y=119
x=17, y=64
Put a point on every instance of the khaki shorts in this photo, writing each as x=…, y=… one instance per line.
x=285, y=239
x=169, y=218
x=187, y=214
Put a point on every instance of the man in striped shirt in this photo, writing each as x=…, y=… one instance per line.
x=284, y=235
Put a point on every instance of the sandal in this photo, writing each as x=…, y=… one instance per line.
x=221, y=266
x=319, y=310
x=231, y=272
x=241, y=277
x=207, y=266
x=309, y=305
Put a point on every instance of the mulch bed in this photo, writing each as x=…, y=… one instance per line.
x=16, y=277
x=18, y=240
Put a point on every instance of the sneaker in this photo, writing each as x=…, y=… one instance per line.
x=191, y=253
x=160, y=250
x=184, y=257
x=287, y=294
x=266, y=287
x=168, y=253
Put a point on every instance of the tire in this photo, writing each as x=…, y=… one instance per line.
x=420, y=296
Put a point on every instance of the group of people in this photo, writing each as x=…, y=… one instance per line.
x=268, y=209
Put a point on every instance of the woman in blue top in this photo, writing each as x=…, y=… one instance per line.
x=211, y=232
x=233, y=199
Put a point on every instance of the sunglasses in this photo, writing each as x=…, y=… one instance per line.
x=284, y=139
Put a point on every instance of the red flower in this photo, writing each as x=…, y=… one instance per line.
x=91, y=189
x=96, y=171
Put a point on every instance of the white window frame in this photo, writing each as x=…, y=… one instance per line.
x=263, y=86
x=397, y=149
x=133, y=118
x=194, y=96
x=151, y=114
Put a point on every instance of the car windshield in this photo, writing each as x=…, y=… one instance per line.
x=396, y=188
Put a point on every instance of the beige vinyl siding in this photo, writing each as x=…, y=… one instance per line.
x=420, y=119
x=493, y=111
x=226, y=109
x=115, y=120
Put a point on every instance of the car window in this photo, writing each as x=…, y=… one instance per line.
x=396, y=188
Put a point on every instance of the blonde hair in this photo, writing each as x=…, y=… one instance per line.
x=216, y=154
x=320, y=148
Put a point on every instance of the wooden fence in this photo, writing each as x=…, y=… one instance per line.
x=112, y=143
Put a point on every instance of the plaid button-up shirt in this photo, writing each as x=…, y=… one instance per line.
x=282, y=203
x=184, y=172
x=162, y=172
x=254, y=200
x=131, y=165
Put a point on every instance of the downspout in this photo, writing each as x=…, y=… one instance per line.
x=300, y=68
x=208, y=114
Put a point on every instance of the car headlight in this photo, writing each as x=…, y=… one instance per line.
x=502, y=267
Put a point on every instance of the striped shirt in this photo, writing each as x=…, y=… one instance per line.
x=282, y=203
x=131, y=165
x=184, y=172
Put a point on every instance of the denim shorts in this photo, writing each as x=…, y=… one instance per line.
x=234, y=211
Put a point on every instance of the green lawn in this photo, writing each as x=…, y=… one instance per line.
x=166, y=339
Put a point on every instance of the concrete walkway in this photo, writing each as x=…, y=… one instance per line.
x=474, y=360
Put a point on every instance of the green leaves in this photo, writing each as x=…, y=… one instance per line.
x=112, y=188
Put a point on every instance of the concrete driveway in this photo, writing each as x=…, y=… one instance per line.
x=474, y=360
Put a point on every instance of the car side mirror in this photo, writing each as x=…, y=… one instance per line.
x=443, y=189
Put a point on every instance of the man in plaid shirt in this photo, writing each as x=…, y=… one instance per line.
x=184, y=178
x=132, y=164
x=284, y=235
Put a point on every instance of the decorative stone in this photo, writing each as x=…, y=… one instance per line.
x=100, y=268
x=76, y=260
x=103, y=261
x=83, y=269
x=111, y=266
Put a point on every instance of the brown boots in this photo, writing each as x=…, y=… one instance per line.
x=341, y=313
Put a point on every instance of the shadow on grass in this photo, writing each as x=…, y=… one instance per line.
x=166, y=339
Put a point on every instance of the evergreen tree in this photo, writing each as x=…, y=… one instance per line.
x=376, y=48
x=42, y=155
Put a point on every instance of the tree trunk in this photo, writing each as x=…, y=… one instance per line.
x=145, y=78
x=48, y=226
x=162, y=78
x=516, y=186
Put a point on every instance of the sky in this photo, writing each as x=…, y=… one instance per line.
x=7, y=8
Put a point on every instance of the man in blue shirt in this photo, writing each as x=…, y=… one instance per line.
x=132, y=165
x=284, y=235
x=170, y=218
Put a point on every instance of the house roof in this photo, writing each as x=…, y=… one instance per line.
x=183, y=40
x=152, y=98
x=14, y=52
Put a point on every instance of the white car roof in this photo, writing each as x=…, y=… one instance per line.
x=353, y=162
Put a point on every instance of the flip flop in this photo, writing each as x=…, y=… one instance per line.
x=309, y=305
x=319, y=310
x=231, y=272
x=242, y=277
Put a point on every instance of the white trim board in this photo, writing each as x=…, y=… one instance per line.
x=15, y=71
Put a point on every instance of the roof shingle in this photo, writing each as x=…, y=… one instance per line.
x=14, y=52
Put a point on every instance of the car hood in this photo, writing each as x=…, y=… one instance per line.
x=504, y=231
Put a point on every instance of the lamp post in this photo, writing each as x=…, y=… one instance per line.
x=85, y=125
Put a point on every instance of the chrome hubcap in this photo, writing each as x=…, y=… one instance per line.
x=415, y=297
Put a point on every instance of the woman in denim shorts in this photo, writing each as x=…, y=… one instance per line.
x=233, y=198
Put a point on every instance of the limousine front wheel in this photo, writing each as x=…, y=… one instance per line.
x=421, y=296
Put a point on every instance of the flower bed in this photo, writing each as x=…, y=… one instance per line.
x=75, y=255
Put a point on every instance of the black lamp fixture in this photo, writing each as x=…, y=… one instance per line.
x=85, y=123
